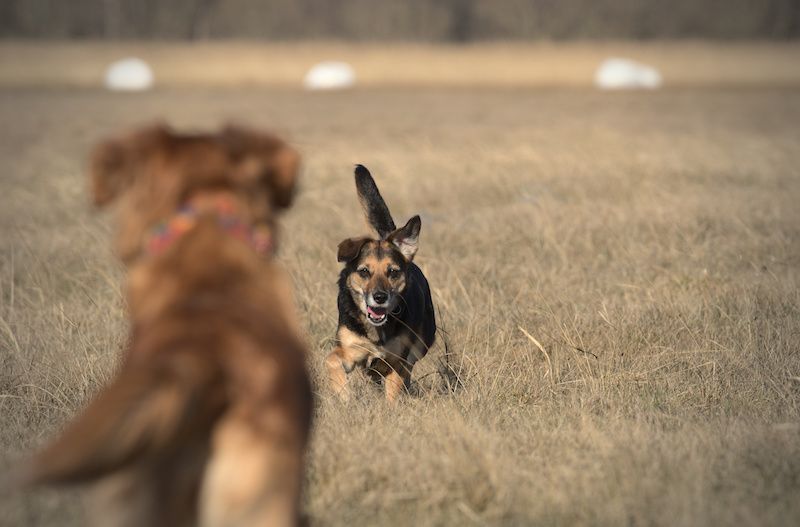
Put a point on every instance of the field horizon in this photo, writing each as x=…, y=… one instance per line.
x=616, y=275
x=542, y=64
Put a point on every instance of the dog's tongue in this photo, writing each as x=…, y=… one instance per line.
x=376, y=311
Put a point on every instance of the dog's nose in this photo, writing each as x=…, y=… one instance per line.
x=380, y=296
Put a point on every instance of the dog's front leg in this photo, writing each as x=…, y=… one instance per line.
x=337, y=372
x=339, y=363
x=395, y=383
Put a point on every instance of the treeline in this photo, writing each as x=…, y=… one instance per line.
x=399, y=20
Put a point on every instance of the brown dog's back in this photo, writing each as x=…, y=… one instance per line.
x=208, y=418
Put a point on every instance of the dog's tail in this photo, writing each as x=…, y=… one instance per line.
x=378, y=215
x=146, y=411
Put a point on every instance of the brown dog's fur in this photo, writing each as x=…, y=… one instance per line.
x=208, y=418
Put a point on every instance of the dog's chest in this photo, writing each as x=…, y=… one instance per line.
x=374, y=335
x=388, y=344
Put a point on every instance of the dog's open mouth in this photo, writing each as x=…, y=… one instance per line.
x=376, y=315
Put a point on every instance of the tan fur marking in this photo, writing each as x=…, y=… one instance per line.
x=253, y=477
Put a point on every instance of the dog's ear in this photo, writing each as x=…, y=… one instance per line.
x=406, y=238
x=263, y=159
x=114, y=162
x=350, y=248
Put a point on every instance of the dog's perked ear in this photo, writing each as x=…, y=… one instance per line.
x=406, y=238
x=350, y=248
x=263, y=159
x=114, y=162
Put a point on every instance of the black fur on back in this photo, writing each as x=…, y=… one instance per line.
x=375, y=208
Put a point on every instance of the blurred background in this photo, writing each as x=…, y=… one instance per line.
x=411, y=43
x=445, y=21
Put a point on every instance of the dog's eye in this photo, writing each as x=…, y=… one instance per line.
x=393, y=272
x=363, y=272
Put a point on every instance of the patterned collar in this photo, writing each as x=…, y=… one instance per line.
x=163, y=235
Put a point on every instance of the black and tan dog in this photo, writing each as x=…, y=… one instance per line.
x=386, y=319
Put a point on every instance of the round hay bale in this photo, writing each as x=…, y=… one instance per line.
x=625, y=74
x=330, y=75
x=130, y=74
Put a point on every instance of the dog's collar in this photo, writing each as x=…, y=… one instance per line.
x=224, y=208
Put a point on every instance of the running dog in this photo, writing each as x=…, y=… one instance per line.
x=208, y=418
x=386, y=318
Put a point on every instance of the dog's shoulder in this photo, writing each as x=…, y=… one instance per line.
x=418, y=316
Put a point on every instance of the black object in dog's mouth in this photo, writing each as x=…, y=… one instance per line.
x=376, y=315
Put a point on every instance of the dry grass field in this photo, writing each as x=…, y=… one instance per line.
x=617, y=278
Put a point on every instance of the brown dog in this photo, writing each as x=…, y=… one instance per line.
x=207, y=421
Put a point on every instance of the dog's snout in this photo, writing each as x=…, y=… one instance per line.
x=380, y=297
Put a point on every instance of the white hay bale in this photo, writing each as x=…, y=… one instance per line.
x=330, y=75
x=129, y=74
x=625, y=74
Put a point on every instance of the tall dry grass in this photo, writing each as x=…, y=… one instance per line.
x=616, y=274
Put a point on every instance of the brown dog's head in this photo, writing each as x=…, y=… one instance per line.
x=153, y=171
x=375, y=270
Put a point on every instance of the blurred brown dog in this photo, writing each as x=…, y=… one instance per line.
x=208, y=418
